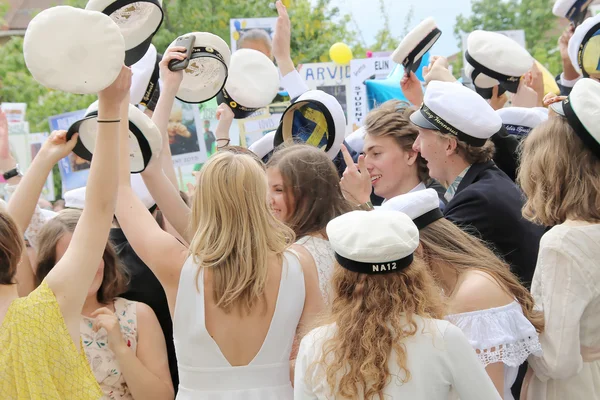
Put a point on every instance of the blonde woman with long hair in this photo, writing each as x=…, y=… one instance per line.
x=384, y=337
x=237, y=295
x=560, y=174
x=485, y=300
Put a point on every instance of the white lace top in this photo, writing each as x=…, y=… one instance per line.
x=324, y=257
x=501, y=334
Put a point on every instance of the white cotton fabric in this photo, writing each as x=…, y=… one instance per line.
x=500, y=334
x=438, y=356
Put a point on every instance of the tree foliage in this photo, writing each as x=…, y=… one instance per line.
x=533, y=16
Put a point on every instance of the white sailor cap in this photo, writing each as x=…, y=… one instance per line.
x=454, y=109
x=414, y=45
x=484, y=85
x=584, y=47
x=316, y=118
x=356, y=139
x=373, y=242
x=144, y=81
x=574, y=10
x=582, y=112
x=499, y=57
x=207, y=70
x=253, y=83
x=263, y=146
x=519, y=121
x=138, y=21
x=76, y=198
x=144, y=137
x=422, y=206
x=73, y=50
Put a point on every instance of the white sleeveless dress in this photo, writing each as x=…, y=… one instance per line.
x=205, y=373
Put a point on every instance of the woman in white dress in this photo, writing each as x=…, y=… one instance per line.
x=305, y=194
x=485, y=300
x=560, y=174
x=384, y=337
x=237, y=296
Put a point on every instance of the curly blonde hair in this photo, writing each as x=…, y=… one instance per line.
x=374, y=314
x=559, y=175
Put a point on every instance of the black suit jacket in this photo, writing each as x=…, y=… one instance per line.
x=488, y=204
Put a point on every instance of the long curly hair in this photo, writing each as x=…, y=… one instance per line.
x=373, y=315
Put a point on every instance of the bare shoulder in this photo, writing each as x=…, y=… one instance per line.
x=145, y=314
x=306, y=259
x=478, y=290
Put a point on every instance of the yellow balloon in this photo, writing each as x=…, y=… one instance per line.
x=340, y=53
x=287, y=3
x=244, y=24
x=550, y=85
x=236, y=35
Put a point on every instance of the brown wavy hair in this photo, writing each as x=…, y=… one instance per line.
x=115, y=280
x=11, y=248
x=312, y=188
x=374, y=314
x=472, y=154
x=392, y=118
x=444, y=245
x=559, y=175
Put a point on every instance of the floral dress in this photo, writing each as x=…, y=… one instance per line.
x=102, y=360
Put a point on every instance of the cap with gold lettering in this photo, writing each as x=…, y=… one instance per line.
x=373, y=242
x=454, y=109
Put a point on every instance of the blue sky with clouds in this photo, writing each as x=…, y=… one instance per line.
x=368, y=18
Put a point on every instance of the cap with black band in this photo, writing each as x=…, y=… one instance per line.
x=454, y=109
x=422, y=206
x=574, y=10
x=584, y=48
x=373, y=242
x=415, y=44
x=582, y=112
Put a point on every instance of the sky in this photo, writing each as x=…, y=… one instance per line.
x=444, y=12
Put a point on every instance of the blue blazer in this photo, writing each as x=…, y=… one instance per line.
x=488, y=204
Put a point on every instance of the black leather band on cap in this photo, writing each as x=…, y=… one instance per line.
x=80, y=150
x=578, y=11
x=143, y=143
x=152, y=86
x=374, y=268
x=579, y=129
x=584, y=42
x=239, y=111
x=428, y=218
x=279, y=137
x=410, y=62
x=511, y=83
x=517, y=130
x=445, y=127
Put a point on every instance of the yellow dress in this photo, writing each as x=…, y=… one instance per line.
x=38, y=359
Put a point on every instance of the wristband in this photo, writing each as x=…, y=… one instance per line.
x=108, y=121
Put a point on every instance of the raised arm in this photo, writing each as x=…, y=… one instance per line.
x=73, y=274
x=170, y=85
x=160, y=251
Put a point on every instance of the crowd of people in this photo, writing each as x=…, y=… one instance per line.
x=447, y=249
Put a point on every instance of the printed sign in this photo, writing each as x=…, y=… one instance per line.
x=362, y=70
x=15, y=112
x=36, y=140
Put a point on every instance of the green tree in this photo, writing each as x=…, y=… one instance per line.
x=533, y=16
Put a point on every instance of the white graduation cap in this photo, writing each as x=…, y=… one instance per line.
x=137, y=20
x=422, y=206
x=144, y=81
x=574, y=10
x=584, y=47
x=263, y=146
x=414, y=45
x=207, y=71
x=73, y=50
x=144, y=137
x=253, y=83
x=519, y=121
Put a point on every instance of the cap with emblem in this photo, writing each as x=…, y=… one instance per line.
x=422, y=206
x=496, y=57
x=414, y=45
x=574, y=10
x=253, y=83
x=73, y=50
x=138, y=21
x=519, y=121
x=584, y=47
x=316, y=118
x=144, y=137
x=76, y=198
x=373, y=242
x=582, y=112
x=207, y=70
x=144, y=80
x=454, y=109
